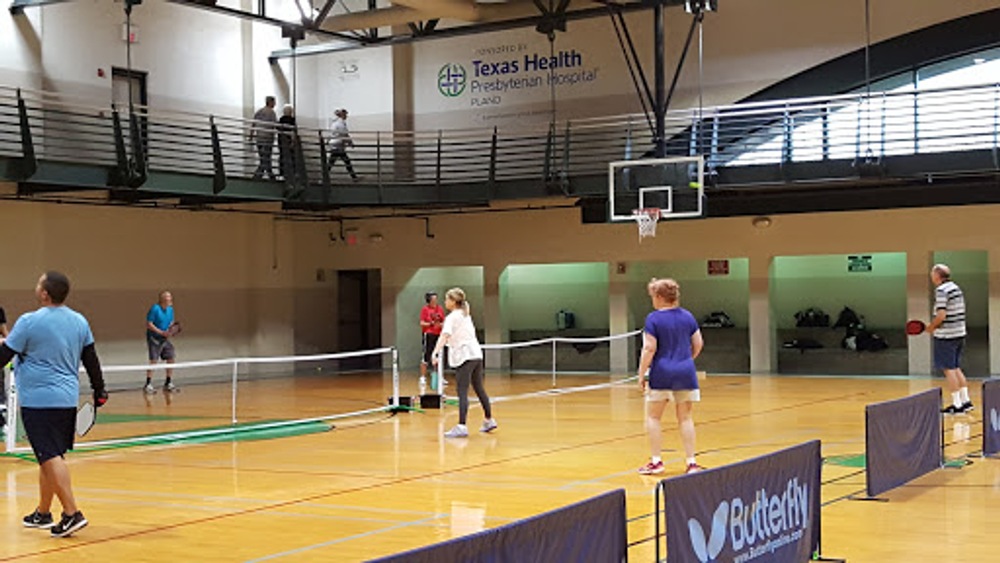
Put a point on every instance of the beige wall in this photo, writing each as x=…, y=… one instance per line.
x=557, y=236
x=250, y=285
x=232, y=276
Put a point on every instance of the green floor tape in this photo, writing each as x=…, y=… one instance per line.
x=239, y=433
x=858, y=460
x=850, y=460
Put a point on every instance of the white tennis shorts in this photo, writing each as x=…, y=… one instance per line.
x=681, y=396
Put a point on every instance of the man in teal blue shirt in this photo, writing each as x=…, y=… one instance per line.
x=160, y=326
x=50, y=343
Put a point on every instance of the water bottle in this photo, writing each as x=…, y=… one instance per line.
x=423, y=385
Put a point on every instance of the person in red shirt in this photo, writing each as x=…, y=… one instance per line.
x=431, y=320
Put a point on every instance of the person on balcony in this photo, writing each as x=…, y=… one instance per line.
x=262, y=133
x=340, y=139
x=287, y=134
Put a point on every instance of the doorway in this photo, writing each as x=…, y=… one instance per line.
x=359, y=302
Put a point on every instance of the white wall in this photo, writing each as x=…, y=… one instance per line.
x=360, y=81
x=195, y=58
x=207, y=62
x=749, y=45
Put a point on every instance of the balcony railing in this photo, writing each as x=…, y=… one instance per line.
x=44, y=126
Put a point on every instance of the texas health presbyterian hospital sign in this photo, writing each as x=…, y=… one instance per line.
x=496, y=74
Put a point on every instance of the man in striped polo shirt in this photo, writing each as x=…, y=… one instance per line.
x=948, y=329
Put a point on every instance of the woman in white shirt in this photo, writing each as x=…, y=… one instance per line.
x=465, y=353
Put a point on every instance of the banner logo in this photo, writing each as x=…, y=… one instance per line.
x=756, y=528
x=451, y=80
x=708, y=550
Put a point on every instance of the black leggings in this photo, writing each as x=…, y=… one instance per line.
x=471, y=371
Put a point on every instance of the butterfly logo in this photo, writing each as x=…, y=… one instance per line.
x=708, y=549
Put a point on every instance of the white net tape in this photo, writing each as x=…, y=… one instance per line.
x=646, y=219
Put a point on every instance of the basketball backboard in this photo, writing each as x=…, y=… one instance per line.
x=675, y=185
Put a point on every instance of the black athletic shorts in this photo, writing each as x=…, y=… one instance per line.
x=50, y=431
x=430, y=341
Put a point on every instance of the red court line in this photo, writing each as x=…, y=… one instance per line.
x=316, y=497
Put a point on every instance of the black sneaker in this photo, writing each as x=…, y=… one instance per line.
x=951, y=409
x=68, y=525
x=966, y=407
x=38, y=520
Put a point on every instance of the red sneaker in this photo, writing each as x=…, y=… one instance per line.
x=651, y=468
x=693, y=468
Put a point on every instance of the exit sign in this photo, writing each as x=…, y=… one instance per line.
x=859, y=263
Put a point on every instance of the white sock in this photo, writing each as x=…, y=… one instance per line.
x=656, y=459
x=956, y=398
x=964, y=394
x=691, y=461
x=462, y=426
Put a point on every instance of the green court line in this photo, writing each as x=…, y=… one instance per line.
x=849, y=460
x=239, y=433
x=858, y=461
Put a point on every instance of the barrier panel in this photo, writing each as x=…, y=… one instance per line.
x=902, y=440
x=991, y=417
x=762, y=509
x=592, y=530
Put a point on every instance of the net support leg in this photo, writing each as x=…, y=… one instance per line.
x=10, y=425
x=553, y=363
x=395, y=377
x=236, y=378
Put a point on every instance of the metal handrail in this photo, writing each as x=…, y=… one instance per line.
x=71, y=128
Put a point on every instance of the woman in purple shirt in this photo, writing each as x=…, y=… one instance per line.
x=671, y=342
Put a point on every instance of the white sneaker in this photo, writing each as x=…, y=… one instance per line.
x=459, y=431
x=171, y=388
x=489, y=425
x=149, y=389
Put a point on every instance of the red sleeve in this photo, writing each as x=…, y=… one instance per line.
x=425, y=315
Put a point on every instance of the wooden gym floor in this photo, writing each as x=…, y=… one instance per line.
x=381, y=484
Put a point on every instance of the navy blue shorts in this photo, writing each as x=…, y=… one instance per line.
x=50, y=431
x=948, y=352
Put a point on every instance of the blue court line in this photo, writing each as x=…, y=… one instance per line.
x=348, y=538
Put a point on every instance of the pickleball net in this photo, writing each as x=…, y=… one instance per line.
x=233, y=398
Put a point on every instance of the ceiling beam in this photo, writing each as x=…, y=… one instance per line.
x=17, y=6
x=460, y=31
x=211, y=6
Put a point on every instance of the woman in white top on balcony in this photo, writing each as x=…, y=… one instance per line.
x=465, y=353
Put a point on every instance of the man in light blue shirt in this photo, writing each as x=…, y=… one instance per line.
x=50, y=343
x=160, y=326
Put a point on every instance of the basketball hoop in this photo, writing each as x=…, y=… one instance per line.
x=646, y=218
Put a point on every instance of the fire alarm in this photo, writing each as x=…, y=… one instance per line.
x=100, y=73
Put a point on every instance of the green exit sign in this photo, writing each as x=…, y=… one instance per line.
x=859, y=263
